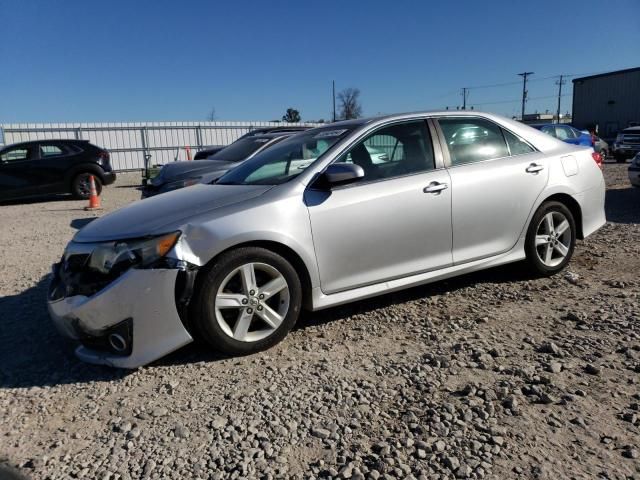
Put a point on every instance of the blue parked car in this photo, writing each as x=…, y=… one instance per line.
x=566, y=133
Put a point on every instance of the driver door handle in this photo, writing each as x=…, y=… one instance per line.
x=534, y=168
x=435, y=187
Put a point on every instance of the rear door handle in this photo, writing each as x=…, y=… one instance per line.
x=534, y=168
x=435, y=187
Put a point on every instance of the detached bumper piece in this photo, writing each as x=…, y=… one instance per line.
x=128, y=323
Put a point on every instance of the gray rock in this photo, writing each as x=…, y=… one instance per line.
x=592, y=369
x=320, y=432
x=451, y=462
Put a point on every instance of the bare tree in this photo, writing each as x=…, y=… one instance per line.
x=349, y=100
x=292, y=116
x=212, y=115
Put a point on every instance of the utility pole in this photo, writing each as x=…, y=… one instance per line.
x=524, y=76
x=465, y=91
x=333, y=89
x=559, y=83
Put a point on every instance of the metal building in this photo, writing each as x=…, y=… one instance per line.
x=608, y=102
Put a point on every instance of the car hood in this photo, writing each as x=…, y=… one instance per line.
x=166, y=212
x=172, y=172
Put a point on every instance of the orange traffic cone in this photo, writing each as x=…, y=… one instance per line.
x=94, y=200
x=188, y=149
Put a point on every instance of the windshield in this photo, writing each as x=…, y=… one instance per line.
x=240, y=149
x=285, y=160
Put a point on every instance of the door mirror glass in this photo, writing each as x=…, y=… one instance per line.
x=341, y=174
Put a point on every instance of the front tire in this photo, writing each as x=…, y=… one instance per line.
x=248, y=300
x=551, y=238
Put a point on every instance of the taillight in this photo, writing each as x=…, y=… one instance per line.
x=597, y=158
x=103, y=157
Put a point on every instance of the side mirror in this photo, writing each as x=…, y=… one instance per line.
x=341, y=174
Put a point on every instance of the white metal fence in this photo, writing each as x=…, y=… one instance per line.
x=128, y=143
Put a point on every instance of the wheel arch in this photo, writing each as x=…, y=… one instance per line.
x=281, y=249
x=82, y=168
x=573, y=206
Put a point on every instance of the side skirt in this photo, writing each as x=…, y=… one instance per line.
x=321, y=300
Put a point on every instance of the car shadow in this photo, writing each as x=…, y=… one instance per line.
x=62, y=197
x=33, y=353
x=622, y=205
x=511, y=273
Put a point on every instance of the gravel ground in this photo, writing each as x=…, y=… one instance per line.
x=490, y=375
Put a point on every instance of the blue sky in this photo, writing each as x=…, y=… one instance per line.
x=123, y=60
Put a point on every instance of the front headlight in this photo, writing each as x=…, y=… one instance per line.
x=121, y=255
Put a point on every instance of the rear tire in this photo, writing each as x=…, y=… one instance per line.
x=248, y=300
x=80, y=185
x=551, y=238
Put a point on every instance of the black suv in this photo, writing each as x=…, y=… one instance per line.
x=53, y=166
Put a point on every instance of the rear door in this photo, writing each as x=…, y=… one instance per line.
x=15, y=171
x=496, y=178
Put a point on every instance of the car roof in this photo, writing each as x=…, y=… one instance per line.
x=47, y=140
x=632, y=129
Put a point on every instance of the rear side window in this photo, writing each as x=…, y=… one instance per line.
x=47, y=150
x=517, y=146
x=471, y=140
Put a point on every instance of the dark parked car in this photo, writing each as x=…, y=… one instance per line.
x=53, y=166
x=207, y=152
x=175, y=175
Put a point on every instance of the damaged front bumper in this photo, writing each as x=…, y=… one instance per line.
x=130, y=322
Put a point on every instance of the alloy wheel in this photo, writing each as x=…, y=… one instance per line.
x=84, y=185
x=553, y=238
x=252, y=302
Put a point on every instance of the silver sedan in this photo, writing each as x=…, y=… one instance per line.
x=316, y=221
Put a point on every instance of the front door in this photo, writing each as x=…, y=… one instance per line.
x=16, y=172
x=394, y=222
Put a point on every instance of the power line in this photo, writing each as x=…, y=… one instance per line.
x=524, y=76
x=517, y=100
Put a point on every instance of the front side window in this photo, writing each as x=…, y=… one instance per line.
x=393, y=151
x=471, y=140
x=564, y=133
x=285, y=160
x=549, y=130
x=15, y=154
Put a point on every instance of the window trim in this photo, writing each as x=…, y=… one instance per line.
x=438, y=157
x=445, y=149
